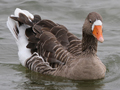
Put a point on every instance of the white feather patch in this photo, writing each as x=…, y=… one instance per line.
x=97, y=22
x=28, y=14
x=23, y=52
x=21, y=40
x=11, y=26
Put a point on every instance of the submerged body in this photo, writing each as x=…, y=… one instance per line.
x=49, y=48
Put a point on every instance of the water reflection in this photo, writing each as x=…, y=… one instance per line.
x=47, y=82
x=38, y=81
x=113, y=66
x=26, y=79
x=70, y=13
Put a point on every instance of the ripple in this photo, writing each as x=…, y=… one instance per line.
x=72, y=14
x=113, y=65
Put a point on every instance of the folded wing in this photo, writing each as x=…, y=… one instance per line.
x=50, y=40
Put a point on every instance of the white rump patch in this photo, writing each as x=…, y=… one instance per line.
x=23, y=52
x=21, y=39
x=97, y=22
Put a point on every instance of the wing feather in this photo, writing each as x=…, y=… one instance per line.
x=52, y=41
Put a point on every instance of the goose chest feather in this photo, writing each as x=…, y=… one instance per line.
x=49, y=48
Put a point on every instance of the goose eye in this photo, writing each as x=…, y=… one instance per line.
x=90, y=21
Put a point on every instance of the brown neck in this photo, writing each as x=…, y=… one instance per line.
x=89, y=44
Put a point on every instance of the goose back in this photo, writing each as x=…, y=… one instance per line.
x=52, y=41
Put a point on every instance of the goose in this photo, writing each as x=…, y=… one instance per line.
x=49, y=48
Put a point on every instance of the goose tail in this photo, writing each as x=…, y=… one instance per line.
x=18, y=31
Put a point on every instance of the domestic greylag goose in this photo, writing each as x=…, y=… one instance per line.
x=49, y=48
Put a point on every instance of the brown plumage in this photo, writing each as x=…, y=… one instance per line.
x=63, y=53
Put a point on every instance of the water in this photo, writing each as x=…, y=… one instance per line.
x=72, y=14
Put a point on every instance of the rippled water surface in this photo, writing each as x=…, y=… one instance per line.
x=72, y=14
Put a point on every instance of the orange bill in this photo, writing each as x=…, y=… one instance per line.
x=97, y=32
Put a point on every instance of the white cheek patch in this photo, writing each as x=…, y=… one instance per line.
x=97, y=22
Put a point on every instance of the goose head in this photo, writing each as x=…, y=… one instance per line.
x=93, y=26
